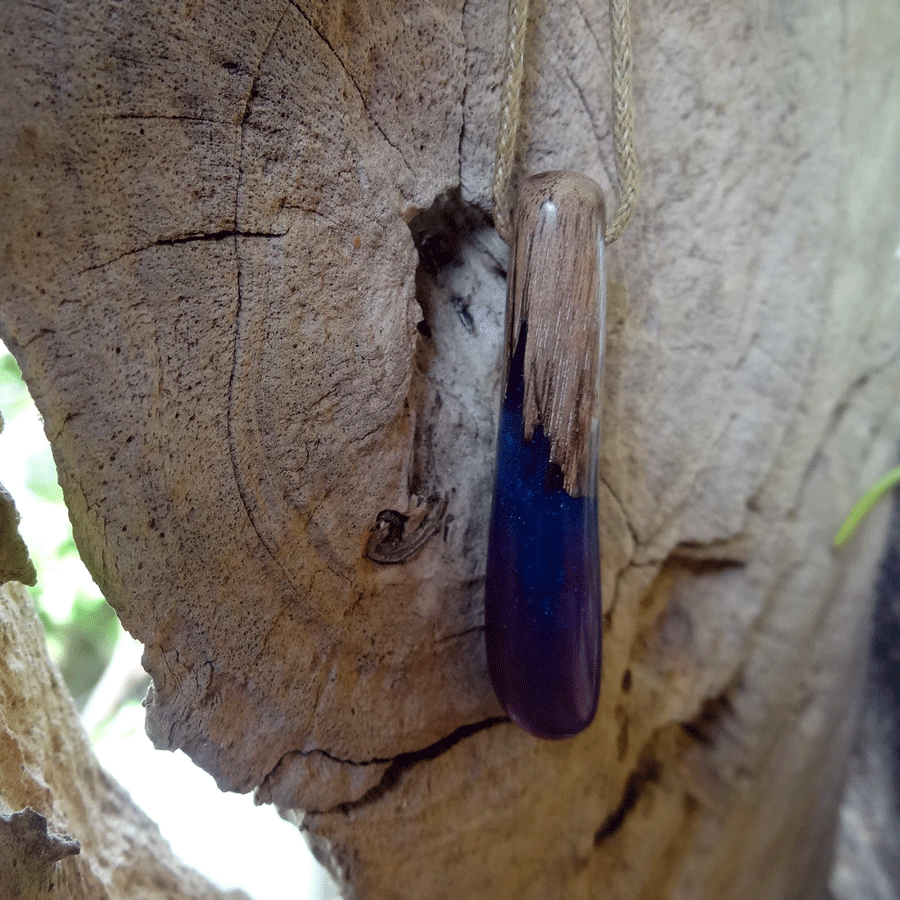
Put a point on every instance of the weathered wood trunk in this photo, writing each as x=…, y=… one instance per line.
x=275, y=437
x=67, y=830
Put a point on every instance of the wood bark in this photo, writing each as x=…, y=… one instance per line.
x=275, y=436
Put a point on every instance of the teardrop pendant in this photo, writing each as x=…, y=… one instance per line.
x=542, y=592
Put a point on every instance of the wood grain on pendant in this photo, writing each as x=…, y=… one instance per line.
x=542, y=591
x=557, y=284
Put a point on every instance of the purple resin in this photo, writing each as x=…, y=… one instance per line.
x=542, y=593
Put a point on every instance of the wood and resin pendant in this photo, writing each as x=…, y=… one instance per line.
x=542, y=592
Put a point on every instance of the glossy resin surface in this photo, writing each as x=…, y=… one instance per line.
x=542, y=599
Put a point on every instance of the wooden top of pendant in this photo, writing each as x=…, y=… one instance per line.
x=558, y=285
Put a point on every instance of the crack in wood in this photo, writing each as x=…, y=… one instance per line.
x=703, y=727
x=647, y=773
x=464, y=93
x=628, y=523
x=232, y=446
x=353, y=81
x=401, y=764
x=189, y=238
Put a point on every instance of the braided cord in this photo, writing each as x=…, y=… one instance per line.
x=623, y=118
x=511, y=111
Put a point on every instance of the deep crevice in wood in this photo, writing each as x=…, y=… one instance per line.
x=438, y=233
x=702, y=728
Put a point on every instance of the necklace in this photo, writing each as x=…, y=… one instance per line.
x=542, y=588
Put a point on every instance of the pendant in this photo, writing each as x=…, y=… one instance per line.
x=542, y=592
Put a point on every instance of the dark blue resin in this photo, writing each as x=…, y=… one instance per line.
x=542, y=593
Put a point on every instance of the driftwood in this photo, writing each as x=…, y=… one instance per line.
x=209, y=279
x=67, y=830
x=105, y=847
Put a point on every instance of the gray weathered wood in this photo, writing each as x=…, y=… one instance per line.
x=209, y=282
x=67, y=830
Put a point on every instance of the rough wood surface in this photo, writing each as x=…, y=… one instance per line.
x=67, y=830
x=209, y=283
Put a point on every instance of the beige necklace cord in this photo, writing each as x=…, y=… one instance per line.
x=623, y=116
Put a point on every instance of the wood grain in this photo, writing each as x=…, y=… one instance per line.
x=209, y=282
x=557, y=285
